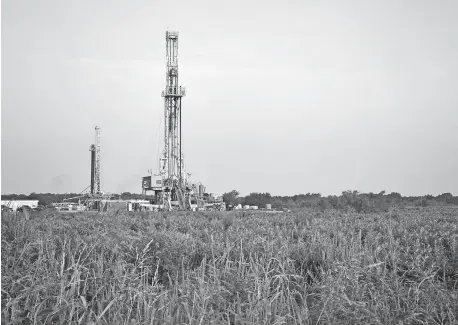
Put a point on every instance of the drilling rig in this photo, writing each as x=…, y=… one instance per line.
x=172, y=187
x=95, y=163
x=93, y=200
x=96, y=195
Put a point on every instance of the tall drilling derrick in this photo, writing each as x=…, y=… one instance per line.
x=95, y=163
x=171, y=169
x=172, y=186
x=172, y=165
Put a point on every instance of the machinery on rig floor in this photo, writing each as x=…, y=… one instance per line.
x=172, y=187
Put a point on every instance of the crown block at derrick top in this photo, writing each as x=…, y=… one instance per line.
x=171, y=34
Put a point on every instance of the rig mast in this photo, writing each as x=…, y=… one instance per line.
x=171, y=168
x=95, y=163
x=172, y=186
x=172, y=163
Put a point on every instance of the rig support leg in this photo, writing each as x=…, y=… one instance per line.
x=188, y=200
x=166, y=201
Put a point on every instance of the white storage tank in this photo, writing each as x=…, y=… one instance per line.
x=246, y=207
x=254, y=207
x=268, y=206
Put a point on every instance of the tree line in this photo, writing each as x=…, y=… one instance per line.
x=348, y=199
x=361, y=202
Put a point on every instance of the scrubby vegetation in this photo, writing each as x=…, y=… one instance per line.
x=361, y=202
x=307, y=267
x=367, y=202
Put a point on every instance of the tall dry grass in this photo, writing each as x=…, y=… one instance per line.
x=231, y=268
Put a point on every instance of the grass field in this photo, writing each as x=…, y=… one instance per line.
x=231, y=268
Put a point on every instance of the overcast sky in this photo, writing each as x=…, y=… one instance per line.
x=284, y=97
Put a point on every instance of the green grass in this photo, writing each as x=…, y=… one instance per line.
x=231, y=268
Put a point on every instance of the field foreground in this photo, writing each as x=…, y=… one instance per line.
x=231, y=268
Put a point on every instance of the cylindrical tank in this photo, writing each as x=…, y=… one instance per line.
x=92, y=149
x=246, y=207
x=268, y=206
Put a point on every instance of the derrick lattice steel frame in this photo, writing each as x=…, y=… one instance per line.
x=95, y=163
x=172, y=169
x=173, y=184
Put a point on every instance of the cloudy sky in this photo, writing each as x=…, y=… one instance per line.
x=282, y=96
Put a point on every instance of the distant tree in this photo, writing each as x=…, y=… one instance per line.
x=290, y=204
x=445, y=197
x=333, y=201
x=350, y=197
x=395, y=195
x=259, y=199
x=323, y=204
x=231, y=197
x=423, y=202
x=278, y=202
x=371, y=196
